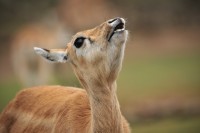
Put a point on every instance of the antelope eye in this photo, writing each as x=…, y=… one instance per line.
x=79, y=42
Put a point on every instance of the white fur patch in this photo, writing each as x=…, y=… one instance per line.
x=41, y=51
x=52, y=56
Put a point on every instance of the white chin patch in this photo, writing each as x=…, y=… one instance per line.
x=120, y=36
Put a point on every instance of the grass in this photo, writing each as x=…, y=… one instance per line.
x=190, y=125
x=8, y=91
x=155, y=76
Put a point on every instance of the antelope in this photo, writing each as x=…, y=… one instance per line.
x=96, y=57
x=28, y=68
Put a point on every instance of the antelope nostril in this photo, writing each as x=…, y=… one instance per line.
x=112, y=20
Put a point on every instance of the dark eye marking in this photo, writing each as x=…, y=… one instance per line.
x=79, y=42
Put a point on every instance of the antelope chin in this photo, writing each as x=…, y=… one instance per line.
x=118, y=26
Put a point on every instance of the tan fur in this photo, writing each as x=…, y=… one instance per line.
x=57, y=109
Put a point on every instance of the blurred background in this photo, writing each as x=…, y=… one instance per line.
x=159, y=85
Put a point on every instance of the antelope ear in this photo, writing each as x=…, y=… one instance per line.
x=53, y=55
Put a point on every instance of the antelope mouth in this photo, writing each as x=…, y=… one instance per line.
x=118, y=26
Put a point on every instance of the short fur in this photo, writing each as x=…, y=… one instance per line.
x=57, y=109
